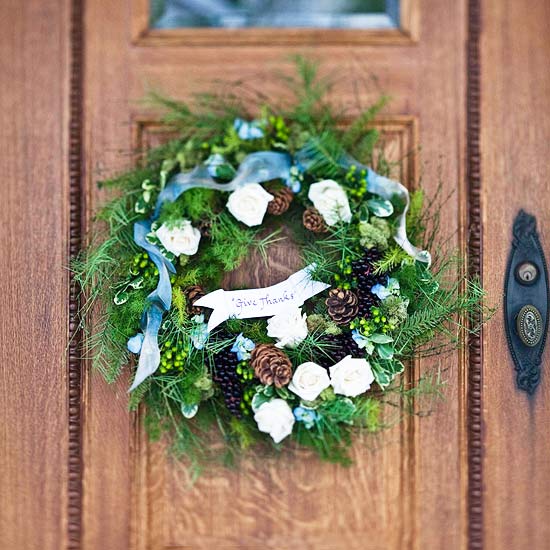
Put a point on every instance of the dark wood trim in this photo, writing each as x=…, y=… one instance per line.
x=475, y=256
x=76, y=197
x=142, y=35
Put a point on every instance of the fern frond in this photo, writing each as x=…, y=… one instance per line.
x=393, y=258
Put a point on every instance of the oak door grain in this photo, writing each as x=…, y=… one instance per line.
x=515, y=149
x=34, y=48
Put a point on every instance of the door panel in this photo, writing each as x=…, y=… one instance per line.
x=415, y=486
x=407, y=488
x=515, y=152
x=286, y=502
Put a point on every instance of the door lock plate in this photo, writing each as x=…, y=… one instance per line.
x=526, y=302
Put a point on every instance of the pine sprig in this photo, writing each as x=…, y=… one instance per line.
x=357, y=129
x=325, y=154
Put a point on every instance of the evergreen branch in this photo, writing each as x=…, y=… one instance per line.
x=357, y=129
x=325, y=153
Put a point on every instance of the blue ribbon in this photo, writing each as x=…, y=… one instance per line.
x=387, y=189
x=159, y=301
x=255, y=168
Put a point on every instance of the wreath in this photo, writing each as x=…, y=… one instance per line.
x=313, y=358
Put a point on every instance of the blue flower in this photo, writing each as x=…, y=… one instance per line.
x=307, y=416
x=199, y=333
x=295, y=178
x=242, y=347
x=383, y=292
x=248, y=130
x=135, y=343
x=360, y=340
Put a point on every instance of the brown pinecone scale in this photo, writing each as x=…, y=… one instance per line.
x=313, y=221
x=342, y=305
x=192, y=294
x=271, y=365
x=205, y=227
x=281, y=201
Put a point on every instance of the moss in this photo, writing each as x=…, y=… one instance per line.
x=375, y=233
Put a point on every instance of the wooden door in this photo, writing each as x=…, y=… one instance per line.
x=294, y=502
x=469, y=109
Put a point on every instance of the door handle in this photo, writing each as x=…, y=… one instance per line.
x=526, y=302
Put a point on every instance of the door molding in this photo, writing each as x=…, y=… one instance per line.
x=406, y=33
x=76, y=365
x=475, y=261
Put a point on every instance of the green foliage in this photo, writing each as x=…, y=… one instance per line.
x=331, y=253
x=310, y=110
x=325, y=152
x=375, y=233
x=441, y=302
x=195, y=204
x=393, y=257
x=356, y=130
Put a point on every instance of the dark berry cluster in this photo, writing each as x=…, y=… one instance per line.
x=228, y=379
x=335, y=348
x=363, y=271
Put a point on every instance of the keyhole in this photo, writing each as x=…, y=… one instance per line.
x=527, y=273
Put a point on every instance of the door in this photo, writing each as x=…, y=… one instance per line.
x=470, y=101
x=406, y=489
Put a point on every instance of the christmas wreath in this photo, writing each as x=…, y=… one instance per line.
x=313, y=358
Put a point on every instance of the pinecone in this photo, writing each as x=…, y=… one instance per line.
x=337, y=347
x=342, y=305
x=205, y=227
x=363, y=271
x=281, y=201
x=192, y=294
x=313, y=221
x=271, y=365
x=225, y=375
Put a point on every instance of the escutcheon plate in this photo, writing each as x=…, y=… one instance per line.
x=526, y=302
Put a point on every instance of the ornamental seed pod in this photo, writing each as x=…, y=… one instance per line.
x=313, y=221
x=192, y=294
x=271, y=365
x=342, y=305
x=281, y=201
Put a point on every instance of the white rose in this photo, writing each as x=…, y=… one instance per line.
x=351, y=376
x=331, y=200
x=289, y=327
x=179, y=238
x=309, y=380
x=275, y=418
x=249, y=203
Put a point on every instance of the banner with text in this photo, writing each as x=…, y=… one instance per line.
x=261, y=302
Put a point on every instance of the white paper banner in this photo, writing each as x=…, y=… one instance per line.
x=261, y=302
